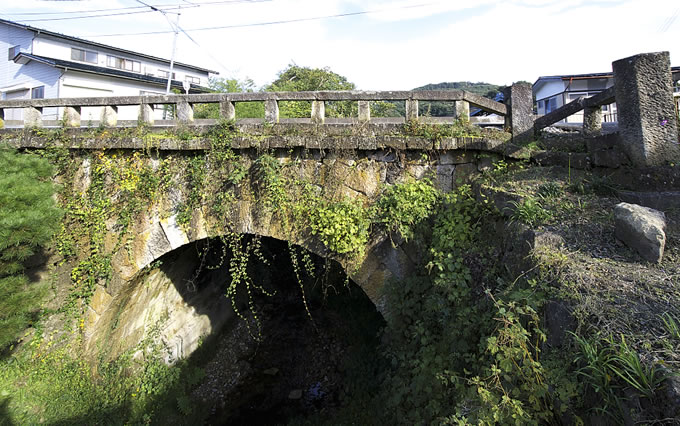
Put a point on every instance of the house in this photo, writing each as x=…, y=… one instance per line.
x=552, y=92
x=45, y=64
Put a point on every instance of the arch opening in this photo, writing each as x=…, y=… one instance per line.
x=276, y=352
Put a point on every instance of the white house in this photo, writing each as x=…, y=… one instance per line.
x=45, y=64
x=552, y=92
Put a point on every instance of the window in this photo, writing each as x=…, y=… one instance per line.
x=123, y=64
x=194, y=80
x=83, y=55
x=164, y=74
x=38, y=92
x=12, y=52
x=550, y=105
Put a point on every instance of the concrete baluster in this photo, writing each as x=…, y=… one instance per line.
x=32, y=117
x=318, y=112
x=364, y=111
x=72, y=116
x=411, y=109
x=461, y=110
x=592, y=121
x=146, y=114
x=185, y=111
x=227, y=110
x=109, y=116
x=271, y=111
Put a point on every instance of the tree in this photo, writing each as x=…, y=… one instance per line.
x=230, y=85
x=28, y=218
x=295, y=78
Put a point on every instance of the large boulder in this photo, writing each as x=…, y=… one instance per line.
x=642, y=229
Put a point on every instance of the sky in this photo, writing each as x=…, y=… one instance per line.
x=376, y=44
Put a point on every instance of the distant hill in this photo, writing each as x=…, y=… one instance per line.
x=445, y=109
x=484, y=89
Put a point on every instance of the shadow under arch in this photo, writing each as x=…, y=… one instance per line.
x=179, y=296
x=184, y=295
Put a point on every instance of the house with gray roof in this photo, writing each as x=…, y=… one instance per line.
x=45, y=64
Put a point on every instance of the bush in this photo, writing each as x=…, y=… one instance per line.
x=28, y=218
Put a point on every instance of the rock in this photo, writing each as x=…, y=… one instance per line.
x=271, y=371
x=295, y=394
x=642, y=229
x=671, y=394
x=558, y=320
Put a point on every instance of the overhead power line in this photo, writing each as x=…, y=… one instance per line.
x=157, y=6
x=287, y=21
x=93, y=16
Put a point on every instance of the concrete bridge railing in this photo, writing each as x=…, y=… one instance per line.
x=185, y=104
x=516, y=115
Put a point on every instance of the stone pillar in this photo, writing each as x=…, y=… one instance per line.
x=318, y=112
x=185, y=111
x=109, y=116
x=646, y=111
x=411, y=109
x=461, y=110
x=32, y=117
x=592, y=121
x=520, y=117
x=72, y=116
x=227, y=110
x=146, y=114
x=364, y=111
x=271, y=111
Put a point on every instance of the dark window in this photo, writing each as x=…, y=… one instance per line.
x=83, y=55
x=12, y=52
x=38, y=92
x=123, y=64
x=550, y=105
x=165, y=74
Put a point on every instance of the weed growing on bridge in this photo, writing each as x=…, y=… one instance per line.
x=404, y=205
x=341, y=226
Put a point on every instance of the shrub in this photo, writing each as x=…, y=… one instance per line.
x=28, y=218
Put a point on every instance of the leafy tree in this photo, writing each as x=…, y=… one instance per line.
x=231, y=85
x=298, y=79
x=28, y=218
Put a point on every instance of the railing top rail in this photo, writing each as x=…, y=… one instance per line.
x=345, y=95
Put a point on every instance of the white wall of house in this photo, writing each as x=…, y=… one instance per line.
x=52, y=47
x=16, y=80
x=75, y=84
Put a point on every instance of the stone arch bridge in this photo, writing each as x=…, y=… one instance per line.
x=348, y=158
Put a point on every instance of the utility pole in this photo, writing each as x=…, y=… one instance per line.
x=174, y=44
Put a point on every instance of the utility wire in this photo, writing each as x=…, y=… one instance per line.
x=669, y=21
x=169, y=6
x=94, y=16
x=288, y=21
